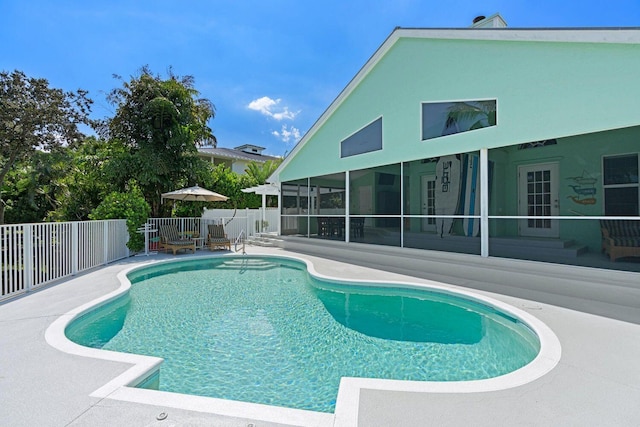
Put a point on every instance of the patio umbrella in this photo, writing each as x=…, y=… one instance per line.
x=195, y=194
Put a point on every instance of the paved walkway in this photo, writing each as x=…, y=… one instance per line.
x=596, y=383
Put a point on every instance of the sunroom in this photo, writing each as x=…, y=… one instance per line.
x=495, y=142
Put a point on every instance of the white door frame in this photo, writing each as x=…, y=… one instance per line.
x=538, y=196
x=427, y=224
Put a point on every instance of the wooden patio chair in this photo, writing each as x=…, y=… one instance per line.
x=170, y=240
x=217, y=238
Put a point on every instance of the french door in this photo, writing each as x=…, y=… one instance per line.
x=428, y=200
x=538, y=197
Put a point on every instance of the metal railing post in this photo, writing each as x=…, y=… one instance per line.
x=75, y=253
x=27, y=255
x=105, y=240
x=247, y=222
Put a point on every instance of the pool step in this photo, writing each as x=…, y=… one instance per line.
x=264, y=239
x=247, y=264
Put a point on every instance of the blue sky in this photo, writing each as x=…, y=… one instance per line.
x=270, y=67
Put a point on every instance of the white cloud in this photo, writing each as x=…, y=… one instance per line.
x=271, y=108
x=287, y=135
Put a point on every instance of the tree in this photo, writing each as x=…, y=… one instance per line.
x=31, y=186
x=85, y=183
x=471, y=115
x=129, y=205
x=231, y=184
x=261, y=171
x=222, y=180
x=159, y=123
x=34, y=116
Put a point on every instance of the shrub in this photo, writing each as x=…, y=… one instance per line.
x=130, y=206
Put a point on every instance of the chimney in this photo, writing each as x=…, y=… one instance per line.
x=494, y=21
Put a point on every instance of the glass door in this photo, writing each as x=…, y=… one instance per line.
x=538, y=197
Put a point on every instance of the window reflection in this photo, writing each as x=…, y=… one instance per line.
x=447, y=118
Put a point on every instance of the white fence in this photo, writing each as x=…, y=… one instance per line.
x=248, y=221
x=32, y=255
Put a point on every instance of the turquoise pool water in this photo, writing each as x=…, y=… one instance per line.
x=264, y=331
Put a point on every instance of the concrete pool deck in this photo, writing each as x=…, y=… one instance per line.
x=596, y=382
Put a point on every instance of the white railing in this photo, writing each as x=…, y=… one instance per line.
x=32, y=255
x=238, y=240
x=235, y=222
x=249, y=220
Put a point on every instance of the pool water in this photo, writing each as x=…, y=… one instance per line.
x=265, y=331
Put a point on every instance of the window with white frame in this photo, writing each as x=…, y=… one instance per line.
x=621, y=185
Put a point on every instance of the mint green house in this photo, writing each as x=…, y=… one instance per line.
x=483, y=140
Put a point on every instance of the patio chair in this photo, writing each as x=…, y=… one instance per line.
x=357, y=227
x=170, y=239
x=217, y=238
x=620, y=238
x=323, y=226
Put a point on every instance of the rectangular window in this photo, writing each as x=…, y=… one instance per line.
x=365, y=140
x=621, y=185
x=447, y=118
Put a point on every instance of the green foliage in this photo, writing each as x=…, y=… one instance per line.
x=159, y=124
x=31, y=186
x=129, y=205
x=473, y=114
x=49, y=171
x=259, y=172
x=229, y=183
x=86, y=182
x=34, y=116
x=221, y=180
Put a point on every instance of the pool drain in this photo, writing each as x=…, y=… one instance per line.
x=162, y=416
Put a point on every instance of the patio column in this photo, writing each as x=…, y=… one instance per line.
x=264, y=211
x=402, y=204
x=279, y=229
x=347, y=210
x=484, y=202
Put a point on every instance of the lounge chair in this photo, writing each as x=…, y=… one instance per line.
x=217, y=238
x=170, y=239
x=620, y=238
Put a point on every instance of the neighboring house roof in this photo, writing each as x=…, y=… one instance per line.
x=477, y=32
x=234, y=154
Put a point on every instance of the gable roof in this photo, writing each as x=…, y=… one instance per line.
x=613, y=35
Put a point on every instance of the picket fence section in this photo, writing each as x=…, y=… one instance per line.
x=33, y=255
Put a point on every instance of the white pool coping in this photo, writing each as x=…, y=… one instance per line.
x=123, y=387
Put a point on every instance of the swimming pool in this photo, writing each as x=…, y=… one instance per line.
x=266, y=331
